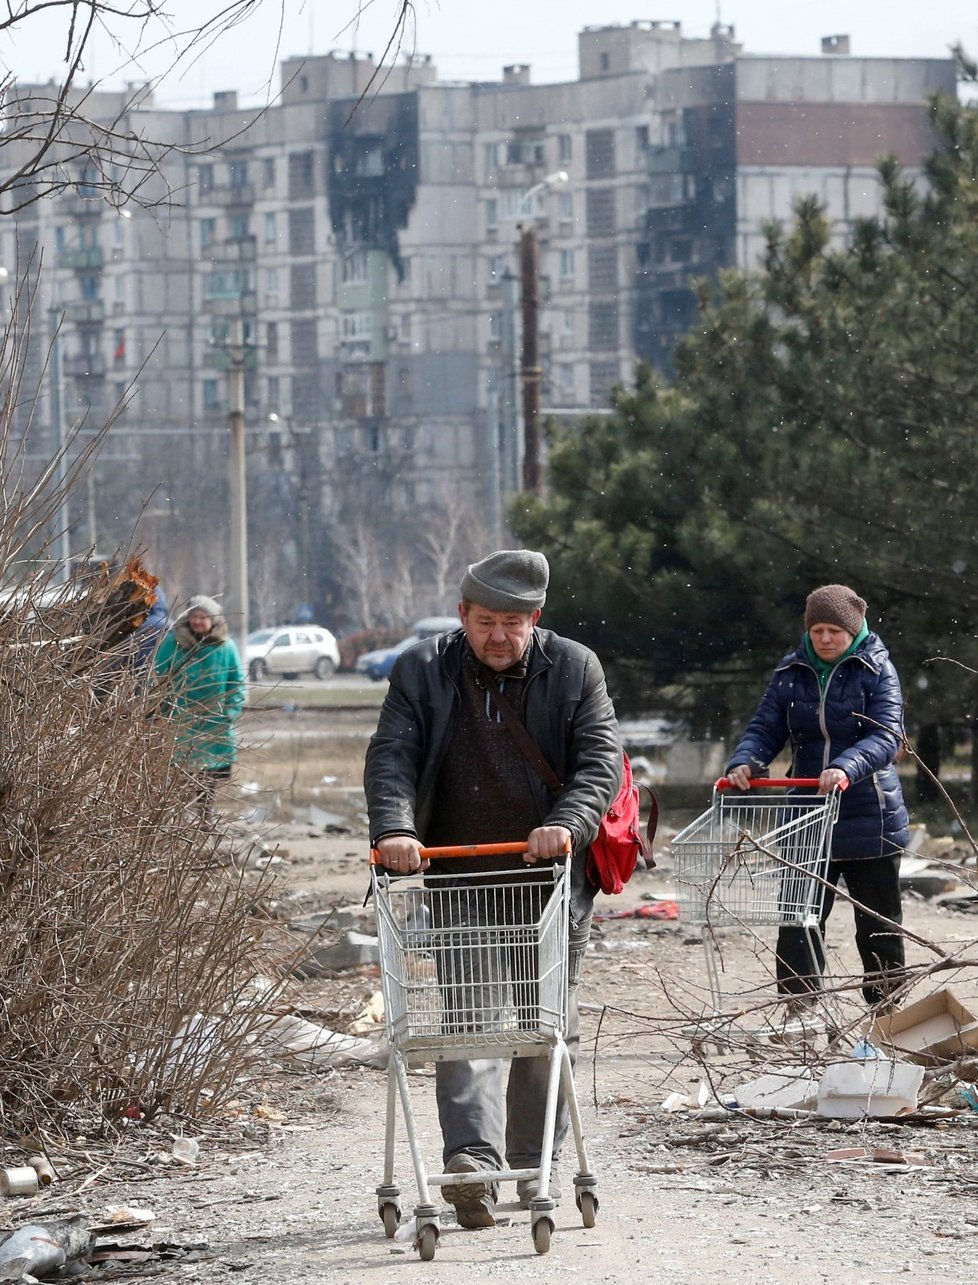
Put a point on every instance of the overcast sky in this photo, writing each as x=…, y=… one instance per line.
x=473, y=39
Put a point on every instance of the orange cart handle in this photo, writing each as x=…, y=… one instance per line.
x=468, y=850
x=777, y=783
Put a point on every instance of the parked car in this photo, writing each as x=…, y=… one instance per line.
x=378, y=664
x=292, y=650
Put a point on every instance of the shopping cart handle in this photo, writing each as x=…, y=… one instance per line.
x=778, y=783
x=469, y=850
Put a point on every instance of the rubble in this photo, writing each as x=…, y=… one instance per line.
x=874, y=1087
x=351, y=951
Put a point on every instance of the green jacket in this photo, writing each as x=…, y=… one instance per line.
x=205, y=689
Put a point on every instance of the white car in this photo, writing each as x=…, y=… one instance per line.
x=292, y=650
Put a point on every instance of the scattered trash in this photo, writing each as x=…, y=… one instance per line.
x=407, y=1230
x=934, y=1029
x=863, y=1049
x=328, y=822
x=878, y=1155
x=128, y=1216
x=46, y=1249
x=19, y=1181
x=968, y=1095
x=186, y=1150
x=351, y=951
x=371, y=1016
x=44, y=1169
x=795, y=1086
x=664, y=909
x=675, y=1102
x=872, y=1087
x=318, y=1046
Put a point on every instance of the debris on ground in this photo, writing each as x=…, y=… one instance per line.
x=39, y=1251
x=318, y=1046
x=931, y=1030
x=353, y=950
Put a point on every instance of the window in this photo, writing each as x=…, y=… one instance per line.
x=268, y=172
x=566, y=263
x=205, y=179
x=271, y=231
x=600, y=211
x=353, y=267
x=495, y=327
x=570, y=326
x=208, y=230
x=232, y=283
x=89, y=287
x=492, y=213
x=302, y=287
x=272, y=393
x=119, y=347
x=271, y=341
x=59, y=237
x=212, y=394
x=600, y=153
x=271, y=280
x=565, y=147
x=565, y=207
x=238, y=225
x=605, y=61
x=301, y=175
x=602, y=269
x=603, y=326
x=497, y=268
x=302, y=231
x=238, y=174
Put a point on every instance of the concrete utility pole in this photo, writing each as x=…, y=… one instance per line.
x=237, y=609
x=530, y=362
x=530, y=369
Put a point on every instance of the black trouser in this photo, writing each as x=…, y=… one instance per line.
x=875, y=883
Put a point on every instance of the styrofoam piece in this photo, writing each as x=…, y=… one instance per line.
x=794, y=1086
x=874, y=1087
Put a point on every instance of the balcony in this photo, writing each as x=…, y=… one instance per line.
x=85, y=311
x=228, y=197
x=233, y=250
x=84, y=366
x=81, y=260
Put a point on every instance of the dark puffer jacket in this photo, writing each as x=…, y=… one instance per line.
x=566, y=709
x=854, y=725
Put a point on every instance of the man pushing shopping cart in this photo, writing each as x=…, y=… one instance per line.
x=443, y=770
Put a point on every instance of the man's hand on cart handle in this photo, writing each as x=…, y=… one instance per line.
x=547, y=841
x=401, y=853
x=832, y=778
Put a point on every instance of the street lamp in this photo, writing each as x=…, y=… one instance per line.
x=530, y=369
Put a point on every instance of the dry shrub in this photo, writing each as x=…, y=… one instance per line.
x=131, y=962
x=128, y=954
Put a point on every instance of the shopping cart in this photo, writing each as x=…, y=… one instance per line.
x=756, y=859
x=475, y=966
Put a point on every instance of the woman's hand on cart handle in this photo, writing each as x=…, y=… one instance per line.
x=738, y=777
x=833, y=778
x=401, y=853
x=546, y=842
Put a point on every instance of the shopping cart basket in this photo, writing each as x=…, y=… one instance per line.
x=475, y=966
x=756, y=859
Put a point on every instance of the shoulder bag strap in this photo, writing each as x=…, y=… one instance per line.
x=524, y=741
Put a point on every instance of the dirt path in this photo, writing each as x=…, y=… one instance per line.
x=286, y=1193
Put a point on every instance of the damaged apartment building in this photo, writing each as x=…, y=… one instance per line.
x=355, y=249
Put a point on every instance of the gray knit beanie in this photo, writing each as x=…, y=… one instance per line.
x=835, y=604
x=509, y=580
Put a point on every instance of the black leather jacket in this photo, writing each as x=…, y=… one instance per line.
x=566, y=709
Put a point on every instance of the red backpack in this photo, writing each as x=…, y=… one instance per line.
x=612, y=857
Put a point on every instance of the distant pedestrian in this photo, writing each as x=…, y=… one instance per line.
x=204, y=693
x=837, y=699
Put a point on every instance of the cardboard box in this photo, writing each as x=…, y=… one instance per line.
x=872, y=1087
x=935, y=1029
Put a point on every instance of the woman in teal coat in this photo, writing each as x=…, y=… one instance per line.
x=205, y=689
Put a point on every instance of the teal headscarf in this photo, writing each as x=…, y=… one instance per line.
x=823, y=668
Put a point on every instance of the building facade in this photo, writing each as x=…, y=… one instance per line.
x=353, y=251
